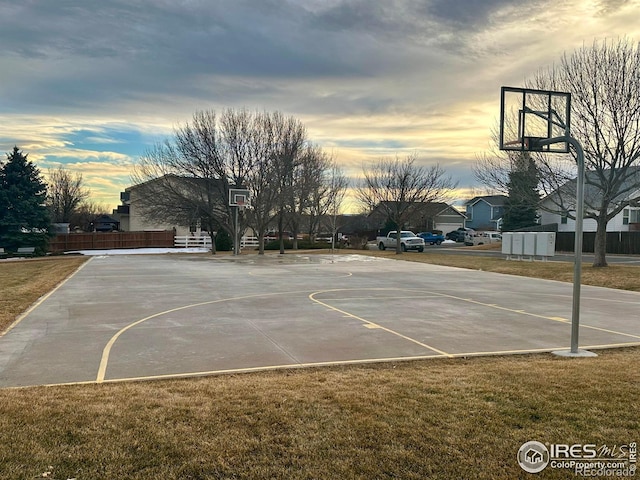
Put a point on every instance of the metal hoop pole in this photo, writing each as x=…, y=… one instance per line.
x=577, y=269
x=577, y=266
x=236, y=242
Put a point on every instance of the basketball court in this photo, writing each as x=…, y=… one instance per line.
x=123, y=317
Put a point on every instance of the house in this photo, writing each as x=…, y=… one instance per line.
x=130, y=212
x=628, y=220
x=105, y=223
x=443, y=217
x=485, y=212
x=426, y=217
x=130, y=216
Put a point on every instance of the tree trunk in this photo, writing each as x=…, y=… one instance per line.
x=295, y=237
x=261, y=241
x=281, y=233
x=600, y=247
x=212, y=235
x=398, y=242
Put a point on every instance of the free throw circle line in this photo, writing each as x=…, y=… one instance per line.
x=368, y=322
x=104, y=360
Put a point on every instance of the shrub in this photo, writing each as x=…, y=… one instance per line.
x=223, y=241
x=302, y=245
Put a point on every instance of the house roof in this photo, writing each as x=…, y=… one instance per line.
x=104, y=218
x=493, y=200
x=630, y=187
x=171, y=177
x=432, y=209
x=441, y=208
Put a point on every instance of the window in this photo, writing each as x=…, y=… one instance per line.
x=630, y=215
x=564, y=218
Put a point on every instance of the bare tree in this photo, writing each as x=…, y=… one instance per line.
x=308, y=176
x=262, y=179
x=181, y=187
x=188, y=179
x=290, y=139
x=336, y=187
x=84, y=215
x=327, y=199
x=604, y=82
x=402, y=188
x=494, y=168
x=65, y=194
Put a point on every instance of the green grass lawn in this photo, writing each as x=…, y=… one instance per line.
x=432, y=419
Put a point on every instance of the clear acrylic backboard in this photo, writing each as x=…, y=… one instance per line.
x=528, y=117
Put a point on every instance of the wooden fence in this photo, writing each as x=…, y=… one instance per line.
x=625, y=243
x=109, y=240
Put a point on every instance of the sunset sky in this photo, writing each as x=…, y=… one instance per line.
x=92, y=84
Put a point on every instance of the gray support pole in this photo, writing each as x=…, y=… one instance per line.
x=577, y=265
x=236, y=241
x=577, y=269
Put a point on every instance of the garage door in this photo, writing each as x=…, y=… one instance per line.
x=448, y=227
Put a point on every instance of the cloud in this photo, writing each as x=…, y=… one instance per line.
x=90, y=83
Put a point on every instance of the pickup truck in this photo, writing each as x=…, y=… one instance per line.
x=482, y=238
x=408, y=241
x=431, y=238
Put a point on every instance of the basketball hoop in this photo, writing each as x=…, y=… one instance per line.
x=238, y=197
x=540, y=121
x=529, y=119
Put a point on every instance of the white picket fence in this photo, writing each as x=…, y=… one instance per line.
x=188, y=241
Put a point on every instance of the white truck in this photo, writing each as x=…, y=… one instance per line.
x=482, y=238
x=408, y=241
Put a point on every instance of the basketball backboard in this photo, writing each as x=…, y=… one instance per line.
x=529, y=117
x=238, y=197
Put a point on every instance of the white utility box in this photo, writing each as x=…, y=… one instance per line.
x=517, y=243
x=506, y=243
x=529, y=243
x=546, y=244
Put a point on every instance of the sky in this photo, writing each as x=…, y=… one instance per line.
x=91, y=85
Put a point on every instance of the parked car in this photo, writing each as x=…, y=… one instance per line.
x=458, y=234
x=431, y=238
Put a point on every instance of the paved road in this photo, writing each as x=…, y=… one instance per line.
x=587, y=259
x=160, y=316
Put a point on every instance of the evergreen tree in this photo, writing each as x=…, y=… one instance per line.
x=24, y=220
x=520, y=210
x=224, y=243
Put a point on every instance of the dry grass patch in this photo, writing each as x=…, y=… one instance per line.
x=437, y=419
x=622, y=277
x=24, y=281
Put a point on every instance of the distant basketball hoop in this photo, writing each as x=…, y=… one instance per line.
x=238, y=197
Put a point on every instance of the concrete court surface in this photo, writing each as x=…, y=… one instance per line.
x=157, y=316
